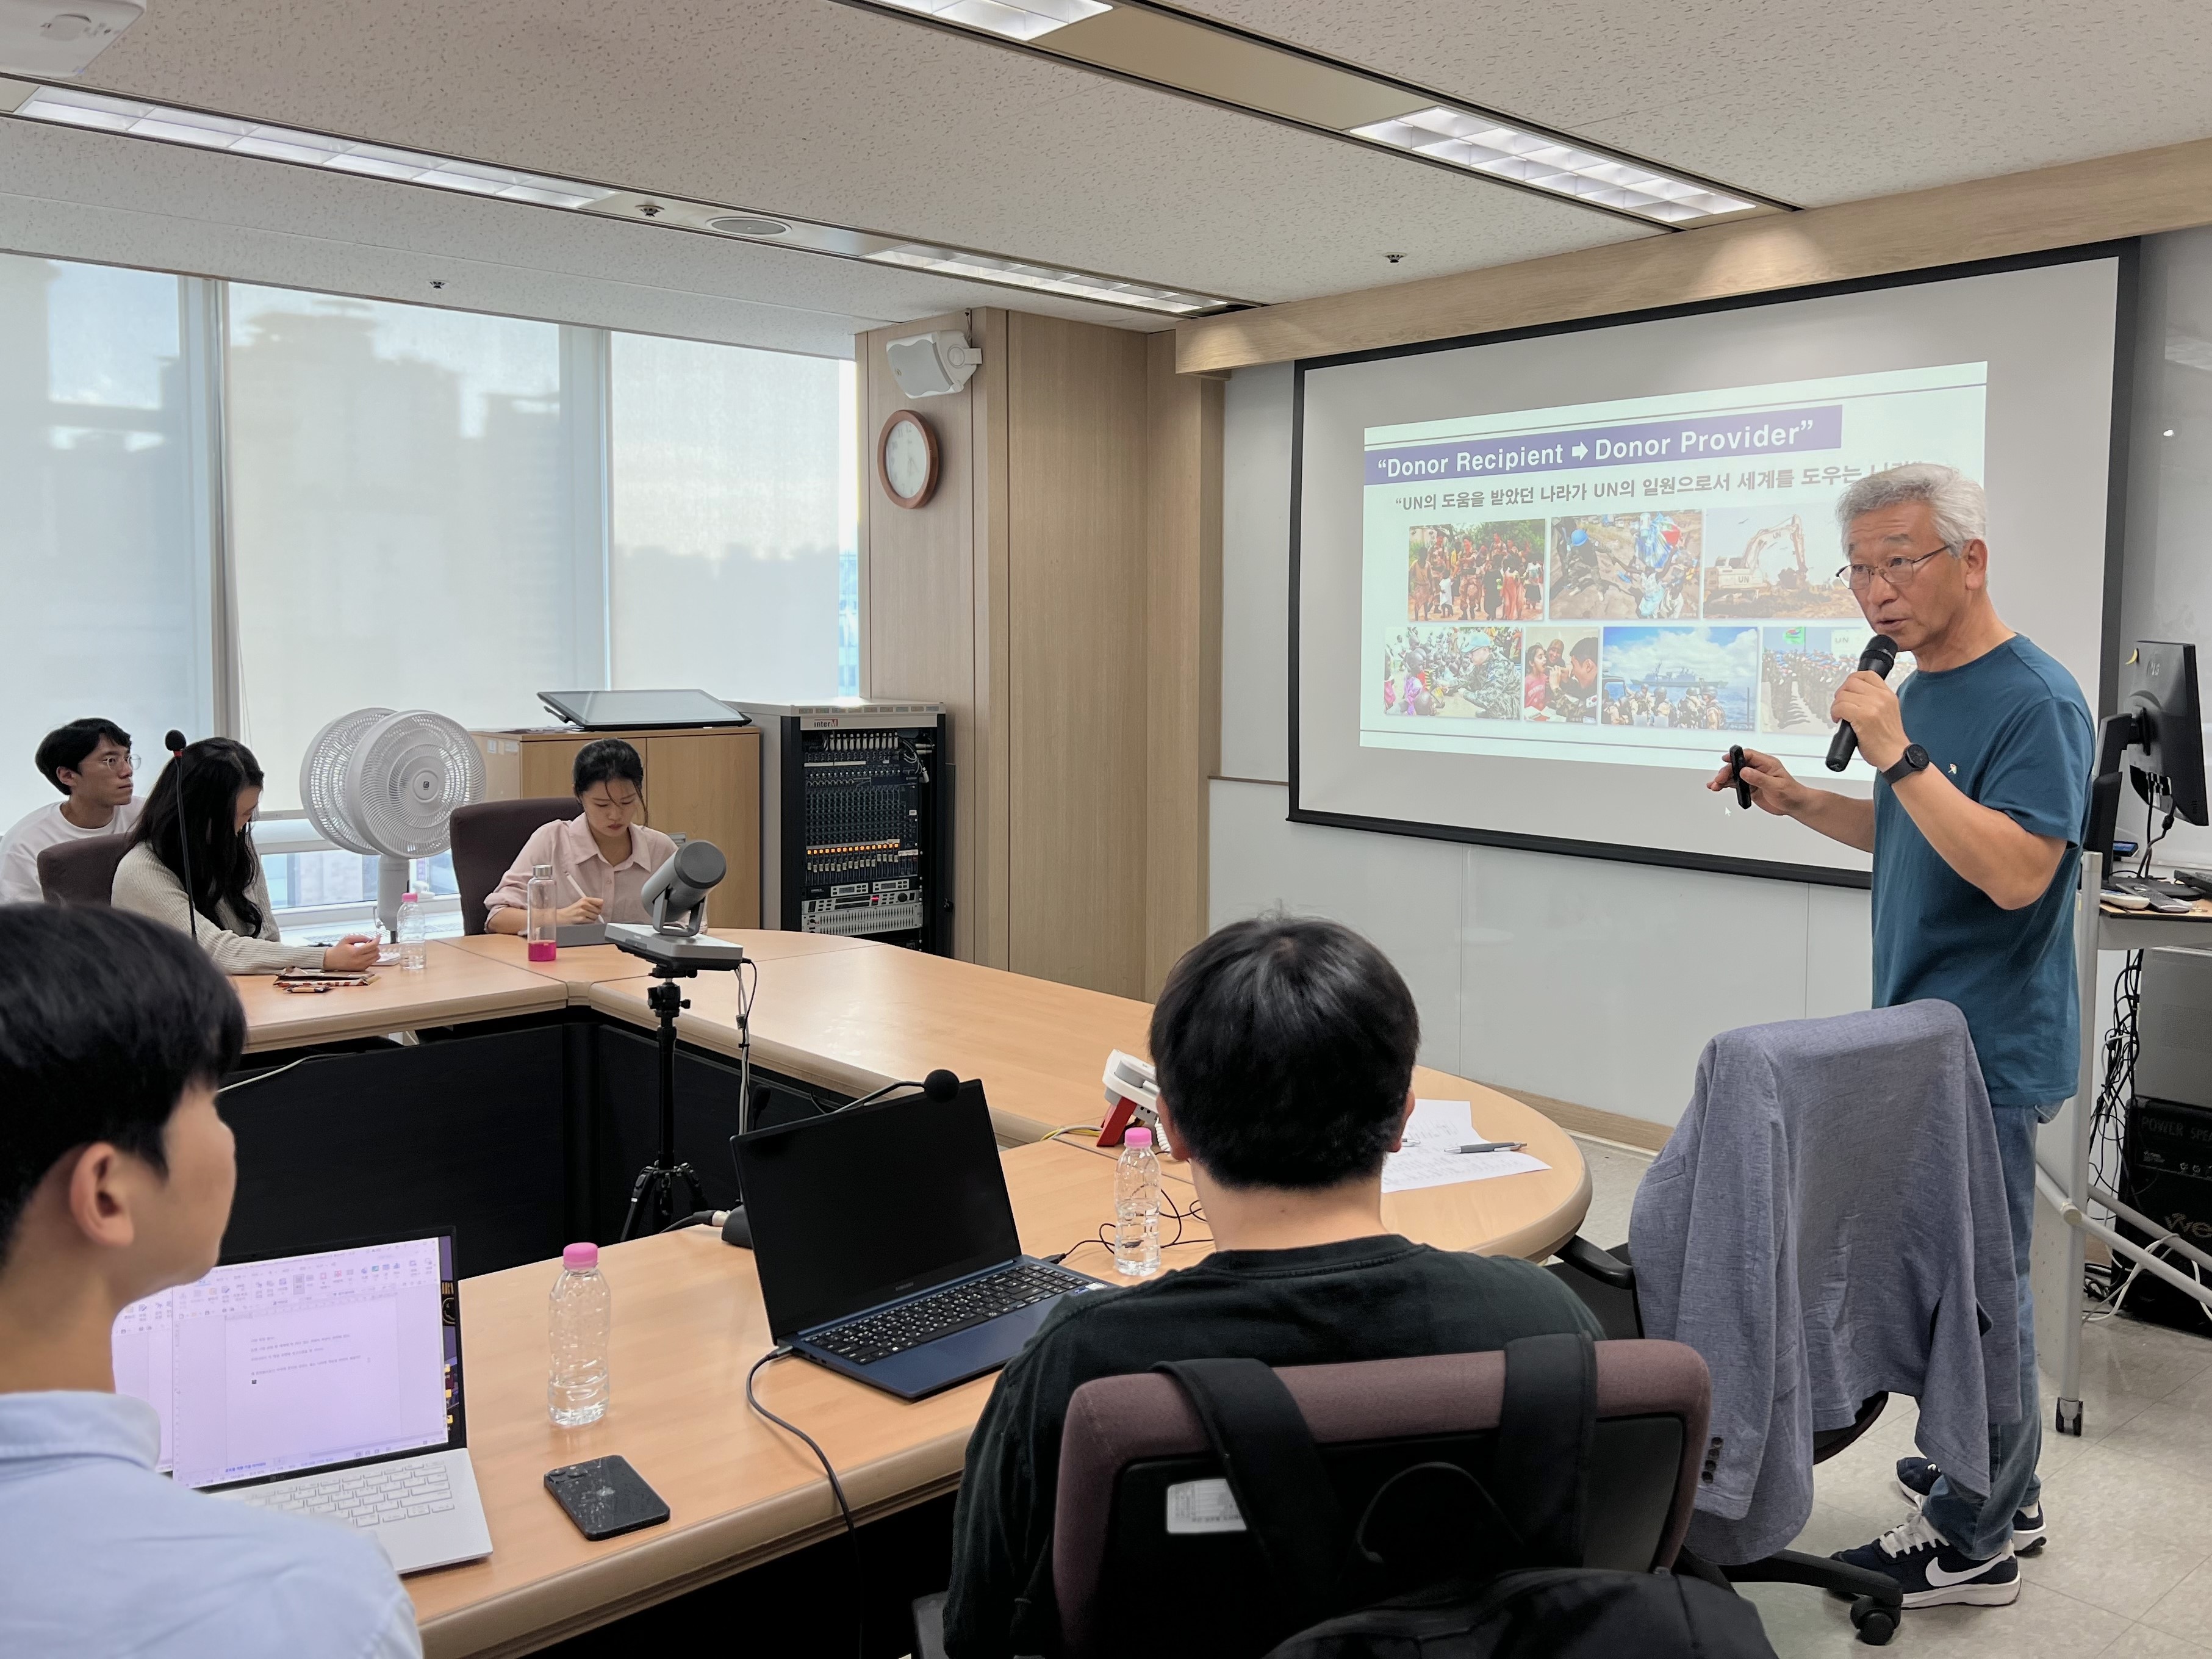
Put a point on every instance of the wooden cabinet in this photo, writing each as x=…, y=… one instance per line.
x=702, y=782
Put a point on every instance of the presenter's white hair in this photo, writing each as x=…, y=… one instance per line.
x=1961, y=510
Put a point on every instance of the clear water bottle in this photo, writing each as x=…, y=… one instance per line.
x=543, y=916
x=1137, y=1207
x=413, y=934
x=582, y=1324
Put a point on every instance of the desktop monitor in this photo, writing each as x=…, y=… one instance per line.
x=2156, y=741
x=2158, y=686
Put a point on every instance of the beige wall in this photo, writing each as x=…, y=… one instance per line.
x=1053, y=594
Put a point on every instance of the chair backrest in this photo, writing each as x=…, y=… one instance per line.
x=81, y=871
x=1129, y=1442
x=487, y=837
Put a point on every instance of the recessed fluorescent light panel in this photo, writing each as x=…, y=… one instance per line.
x=1488, y=145
x=71, y=107
x=1014, y=20
x=1159, y=46
x=134, y=117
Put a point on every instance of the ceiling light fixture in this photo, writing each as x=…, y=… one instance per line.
x=75, y=107
x=1012, y=20
x=1485, y=145
x=1200, y=58
x=298, y=147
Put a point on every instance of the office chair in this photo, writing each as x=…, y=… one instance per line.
x=81, y=871
x=1605, y=1281
x=1124, y=1575
x=486, y=839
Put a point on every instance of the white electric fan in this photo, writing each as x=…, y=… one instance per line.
x=385, y=785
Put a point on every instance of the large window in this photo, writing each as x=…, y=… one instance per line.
x=732, y=516
x=233, y=509
x=103, y=532
x=401, y=518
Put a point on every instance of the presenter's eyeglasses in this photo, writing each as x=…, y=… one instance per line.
x=114, y=760
x=1898, y=573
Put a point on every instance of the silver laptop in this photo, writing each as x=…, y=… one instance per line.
x=329, y=1385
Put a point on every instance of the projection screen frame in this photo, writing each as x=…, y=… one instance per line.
x=2126, y=253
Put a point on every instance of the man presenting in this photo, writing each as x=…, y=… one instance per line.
x=1975, y=828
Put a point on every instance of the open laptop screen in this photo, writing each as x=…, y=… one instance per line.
x=861, y=1208
x=270, y=1368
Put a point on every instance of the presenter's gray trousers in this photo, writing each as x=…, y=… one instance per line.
x=1982, y=1527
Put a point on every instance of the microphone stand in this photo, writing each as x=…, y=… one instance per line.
x=661, y=1176
x=185, y=849
x=669, y=948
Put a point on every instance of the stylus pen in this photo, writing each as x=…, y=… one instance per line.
x=1495, y=1147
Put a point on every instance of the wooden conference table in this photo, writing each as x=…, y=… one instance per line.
x=846, y=1015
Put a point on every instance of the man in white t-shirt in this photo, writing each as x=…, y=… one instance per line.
x=90, y=761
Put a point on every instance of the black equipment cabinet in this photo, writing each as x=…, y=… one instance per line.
x=856, y=821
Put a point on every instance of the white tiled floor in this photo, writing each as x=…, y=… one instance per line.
x=2127, y=1573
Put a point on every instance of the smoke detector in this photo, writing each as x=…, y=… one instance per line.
x=61, y=37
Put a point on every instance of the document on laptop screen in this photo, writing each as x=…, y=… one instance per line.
x=266, y=1367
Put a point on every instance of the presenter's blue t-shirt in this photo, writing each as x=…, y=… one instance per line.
x=2012, y=731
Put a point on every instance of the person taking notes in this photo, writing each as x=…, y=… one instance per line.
x=229, y=913
x=601, y=859
x=116, y=1176
x=90, y=761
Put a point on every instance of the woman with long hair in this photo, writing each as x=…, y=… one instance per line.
x=601, y=858
x=206, y=797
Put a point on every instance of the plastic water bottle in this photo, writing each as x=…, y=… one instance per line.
x=583, y=1318
x=542, y=914
x=1137, y=1207
x=414, y=935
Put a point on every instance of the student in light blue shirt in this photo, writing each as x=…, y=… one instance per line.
x=115, y=1182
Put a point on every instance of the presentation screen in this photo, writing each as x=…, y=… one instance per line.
x=1542, y=584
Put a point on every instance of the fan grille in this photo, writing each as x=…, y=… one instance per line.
x=386, y=784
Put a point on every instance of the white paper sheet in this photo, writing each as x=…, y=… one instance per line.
x=1431, y=1157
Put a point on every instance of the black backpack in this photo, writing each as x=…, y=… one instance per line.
x=1497, y=1574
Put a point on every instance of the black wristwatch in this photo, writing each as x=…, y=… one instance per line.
x=1914, y=759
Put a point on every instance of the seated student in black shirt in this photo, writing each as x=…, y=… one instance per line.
x=1284, y=1050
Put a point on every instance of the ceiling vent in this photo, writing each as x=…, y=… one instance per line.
x=61, y=37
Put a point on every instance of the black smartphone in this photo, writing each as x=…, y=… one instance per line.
x=605, y=1498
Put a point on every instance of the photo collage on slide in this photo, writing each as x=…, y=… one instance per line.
x=1716, y=620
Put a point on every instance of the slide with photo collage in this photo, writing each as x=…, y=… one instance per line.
x=1711, y=619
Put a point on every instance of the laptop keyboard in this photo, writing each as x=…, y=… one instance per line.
x=956, y=1308
x=365, y=1496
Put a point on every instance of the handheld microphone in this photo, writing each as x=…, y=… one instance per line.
x=1878, y=659
x=173, y=741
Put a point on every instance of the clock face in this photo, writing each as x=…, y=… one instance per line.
x=909, y=459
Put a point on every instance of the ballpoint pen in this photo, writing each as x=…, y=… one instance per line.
x=1494, y=1146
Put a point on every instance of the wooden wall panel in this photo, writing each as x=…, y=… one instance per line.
x=918, y=609
x=1076, y=659
x=1183, y=648
x=2116, y=196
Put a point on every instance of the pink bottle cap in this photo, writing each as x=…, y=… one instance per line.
x=581, y=1258
x=1139, y=1136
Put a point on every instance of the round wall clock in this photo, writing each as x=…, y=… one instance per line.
x=907, y=459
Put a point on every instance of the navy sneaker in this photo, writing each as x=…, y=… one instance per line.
x=1931, y=1573
x=1916, y=1478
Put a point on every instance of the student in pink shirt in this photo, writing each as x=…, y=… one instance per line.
x=601, y=859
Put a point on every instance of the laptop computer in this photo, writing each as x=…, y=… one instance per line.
x=886, y=1245
x=327, y=1384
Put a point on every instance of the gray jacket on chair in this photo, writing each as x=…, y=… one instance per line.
x=1828, y=1222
